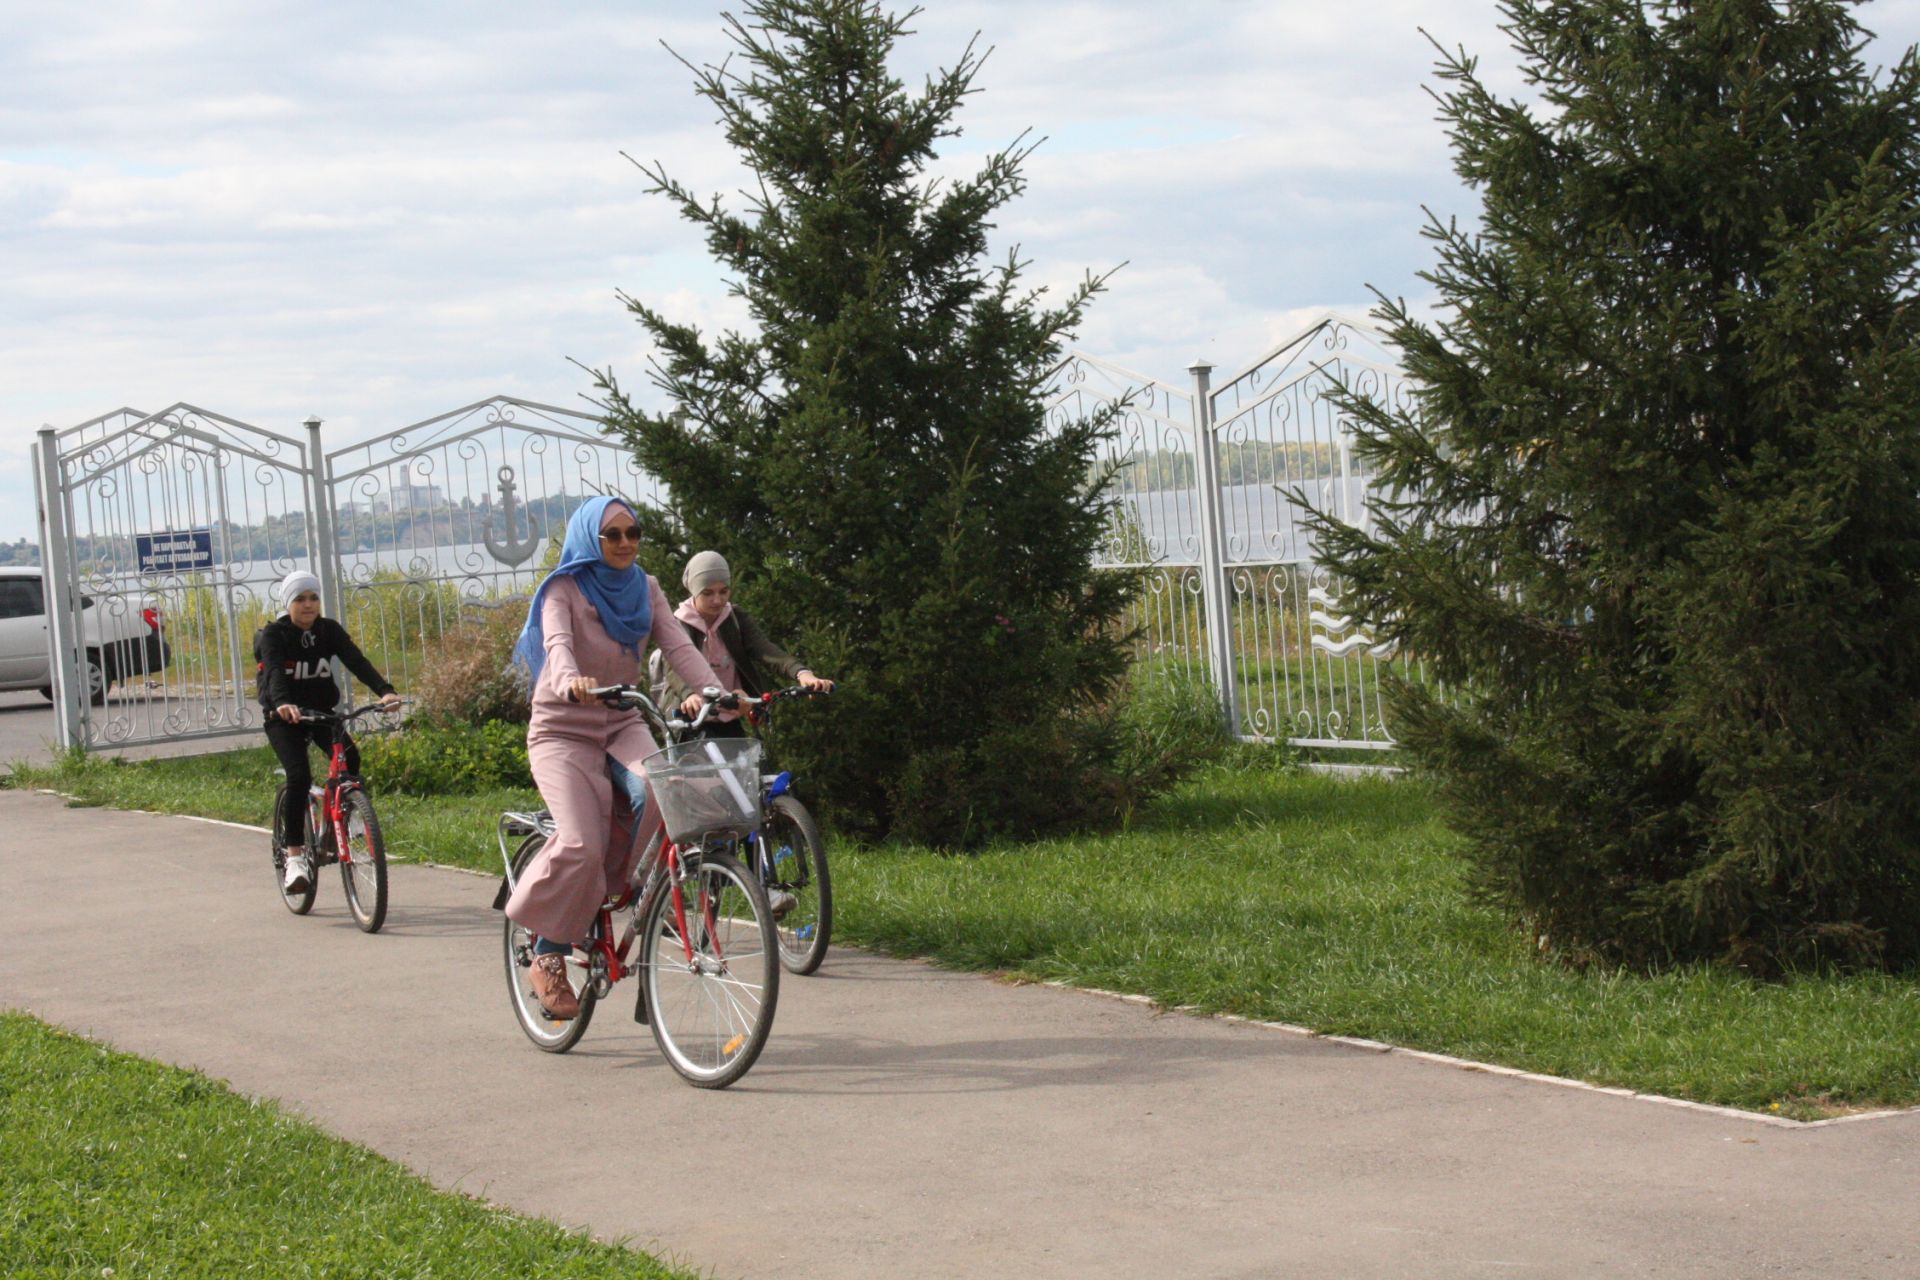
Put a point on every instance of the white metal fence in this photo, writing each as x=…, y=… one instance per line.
x=1202, y=476
x=163, y=535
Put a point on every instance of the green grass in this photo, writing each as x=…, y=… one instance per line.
x=1335, y=904
x=1330, y=903
x=238, y=786
x=116, y=1166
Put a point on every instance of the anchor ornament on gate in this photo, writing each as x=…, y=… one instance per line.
x=511, y=552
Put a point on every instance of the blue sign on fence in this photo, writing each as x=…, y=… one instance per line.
x=173, y=552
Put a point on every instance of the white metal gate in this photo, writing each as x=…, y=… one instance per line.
x=162, y=537
x=458, y=511
x=1202, y=478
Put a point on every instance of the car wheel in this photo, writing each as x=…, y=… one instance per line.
x=98, y=676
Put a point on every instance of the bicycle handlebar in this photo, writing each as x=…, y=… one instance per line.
x=308, y=716
x=793, y=691
x=631, y=697
x=758, y=708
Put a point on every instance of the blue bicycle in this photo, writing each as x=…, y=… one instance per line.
x=791, y=858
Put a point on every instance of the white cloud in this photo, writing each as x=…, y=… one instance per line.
x=377, y=213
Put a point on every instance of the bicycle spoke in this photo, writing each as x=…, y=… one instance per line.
x=713, y=993
x=745, y=1015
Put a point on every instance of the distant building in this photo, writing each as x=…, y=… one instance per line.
x=401, y=497
x=408, y=496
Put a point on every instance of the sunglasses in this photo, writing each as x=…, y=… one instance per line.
x=629, y=534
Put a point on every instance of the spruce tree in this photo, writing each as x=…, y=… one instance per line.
x=873, y=455
x=1653, y=521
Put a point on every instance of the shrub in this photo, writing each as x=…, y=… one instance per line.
x=1165, y=726
x=466, y=679
x=424, y=759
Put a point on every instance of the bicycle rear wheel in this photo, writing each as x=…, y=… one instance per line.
x=546, y=1033
x=363, y=863
x=792, y=858
x=298, y=903
x=711, y=994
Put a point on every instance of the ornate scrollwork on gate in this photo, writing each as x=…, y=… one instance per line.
x=162, y=541
x=1336, y=634
x=456, y=511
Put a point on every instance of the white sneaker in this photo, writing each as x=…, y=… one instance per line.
x=782, y=902
x=299, y=874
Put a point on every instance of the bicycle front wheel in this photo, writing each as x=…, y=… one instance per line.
x=302, y=902
x=709, y=963
x=549, y=1034
x=363, y=863
x=793, y=861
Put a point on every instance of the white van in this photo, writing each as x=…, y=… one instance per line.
x=120, y=642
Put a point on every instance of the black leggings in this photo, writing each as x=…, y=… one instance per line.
x=289, y=742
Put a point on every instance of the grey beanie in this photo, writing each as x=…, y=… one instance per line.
x=704, y=570
x=294, y=583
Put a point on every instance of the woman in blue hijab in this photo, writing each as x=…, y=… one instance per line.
x=588, y=626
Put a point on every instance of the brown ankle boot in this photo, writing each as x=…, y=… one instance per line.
x=551, y=986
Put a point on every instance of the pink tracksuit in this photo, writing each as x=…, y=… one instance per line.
x=567, y=746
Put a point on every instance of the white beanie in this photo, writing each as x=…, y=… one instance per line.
x=704, y=570
x=294, y=583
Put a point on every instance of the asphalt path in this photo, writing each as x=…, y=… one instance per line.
x=910, y=1122
x=26, y=727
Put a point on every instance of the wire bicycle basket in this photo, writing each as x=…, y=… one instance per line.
x=707, y=788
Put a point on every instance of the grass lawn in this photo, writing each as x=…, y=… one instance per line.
x=238, y=786
x=1329, y=903
x=116, y=1166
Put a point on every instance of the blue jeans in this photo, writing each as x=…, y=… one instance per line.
x=631, y=783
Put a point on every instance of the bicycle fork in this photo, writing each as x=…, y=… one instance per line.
x=328, y=824
x=321, y=829
x=670, y=866
x=782, y=868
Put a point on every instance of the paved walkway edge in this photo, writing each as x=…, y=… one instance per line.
x=1494, y=1069
x=1356, y=1042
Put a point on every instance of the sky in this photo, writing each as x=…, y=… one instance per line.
x=375, y=213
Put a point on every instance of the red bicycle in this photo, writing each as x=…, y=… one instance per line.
x=341, y=827
x=707, y=956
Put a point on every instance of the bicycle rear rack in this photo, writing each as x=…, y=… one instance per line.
x=516, y=826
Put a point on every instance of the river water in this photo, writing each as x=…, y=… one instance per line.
x=1261, y=526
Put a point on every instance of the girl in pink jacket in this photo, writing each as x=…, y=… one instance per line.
x=588, y=626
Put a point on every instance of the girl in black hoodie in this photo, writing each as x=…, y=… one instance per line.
x=295, y=654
